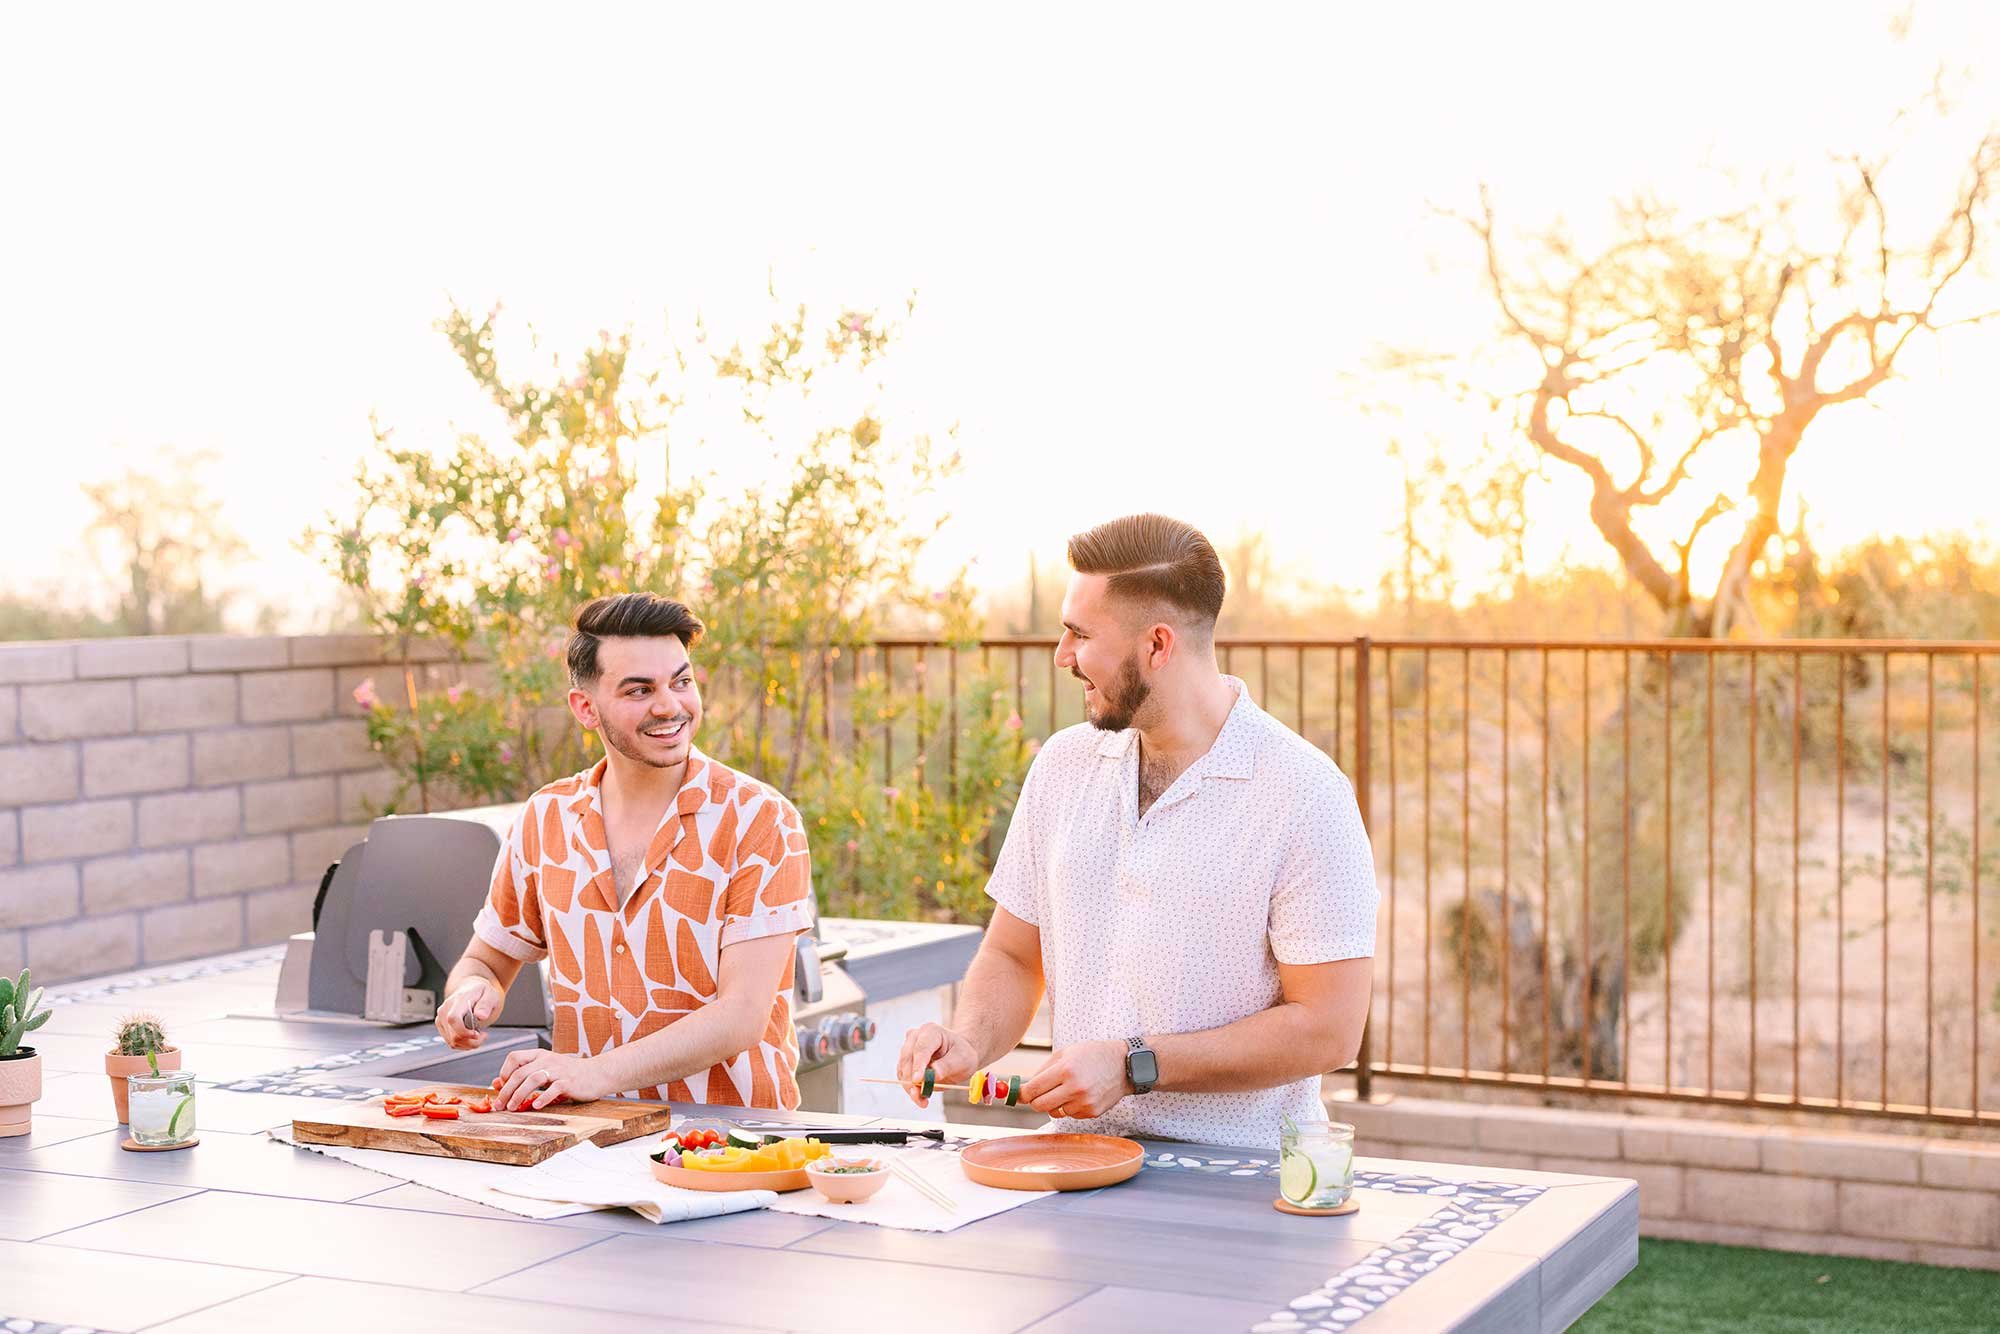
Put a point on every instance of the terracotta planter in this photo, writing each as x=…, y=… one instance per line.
x=120, y=1067
x=20, y=1086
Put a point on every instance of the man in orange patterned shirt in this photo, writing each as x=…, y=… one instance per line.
x=664, y=888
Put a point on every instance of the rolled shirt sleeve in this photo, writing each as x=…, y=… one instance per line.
x=770, y=891
x=1323, y=907
x=1017, y=880
x=511, y=918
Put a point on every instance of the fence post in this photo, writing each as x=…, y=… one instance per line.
x=1363, y=1074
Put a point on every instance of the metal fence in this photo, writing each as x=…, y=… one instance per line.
x=1719, y=872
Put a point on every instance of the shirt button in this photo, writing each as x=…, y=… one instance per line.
x=618, y=949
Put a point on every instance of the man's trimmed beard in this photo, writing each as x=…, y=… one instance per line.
x=626, y=742
x=1122, y=699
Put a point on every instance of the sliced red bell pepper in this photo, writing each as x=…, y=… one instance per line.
x=479, y=1105
x=405, y=1109
x=439, y=1113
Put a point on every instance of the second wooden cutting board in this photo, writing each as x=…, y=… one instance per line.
x=520, y=1138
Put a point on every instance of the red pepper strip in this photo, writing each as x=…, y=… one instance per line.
x=482, y=1105
x=439, y=1113
x=408, y=1109
x=452, y=1101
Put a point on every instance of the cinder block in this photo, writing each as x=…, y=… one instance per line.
x=1844, y=1157
x=1958, y=1257
x=183, y=703
x=337, y=650
x=10, y=837
x=1536, y=1130
x=13, y=952
x=76, y=829
x=1694, y=1143
x=232, y=868
x=364, y=796
x=87, y=948
x=1415, y=1122
x=1754, y=1199
x=299, y=803
x=237, y=653
x=332, y=747
x=21, y=664
x=272, y=915
x=150, y=655
x=241, y=754
x=76, y=709
x=114, y=884
x=10, y=713
x=189, y=930
x=30, y=774
x=314, y=850
x=1920, y=1213
x=134, y=764
x=1959, y=1164
x=293, y=696
x=189, y=817
x=1714, y=1234
x=38, y=894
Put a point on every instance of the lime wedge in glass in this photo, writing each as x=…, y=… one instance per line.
x=1297, y=1178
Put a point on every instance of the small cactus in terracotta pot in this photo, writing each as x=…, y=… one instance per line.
x=21, y=1013
x=140, y=1036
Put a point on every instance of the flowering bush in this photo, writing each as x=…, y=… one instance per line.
x=488, y=550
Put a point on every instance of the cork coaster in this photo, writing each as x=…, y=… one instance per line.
x=1285, y=1206
x=134, y=1146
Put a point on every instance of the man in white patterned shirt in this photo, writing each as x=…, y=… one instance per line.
x=1188, y=878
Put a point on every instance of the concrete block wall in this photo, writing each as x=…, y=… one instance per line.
x=165, y=798
x=1879, y=1196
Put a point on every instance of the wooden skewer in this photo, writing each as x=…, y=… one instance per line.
x=918, y=1083
x=922, y=1187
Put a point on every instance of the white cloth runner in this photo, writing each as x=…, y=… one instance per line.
x=899, y=1204
x=575, y=1181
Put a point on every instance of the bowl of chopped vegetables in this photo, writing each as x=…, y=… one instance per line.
x=847, y=1180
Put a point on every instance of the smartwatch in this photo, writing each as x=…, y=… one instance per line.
x=1141, y=1066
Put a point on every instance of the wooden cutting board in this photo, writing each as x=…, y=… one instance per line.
x=520, y=1138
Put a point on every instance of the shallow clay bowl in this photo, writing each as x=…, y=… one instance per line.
x=847, y=1187
x=1052, y=1162
x=778, y=1181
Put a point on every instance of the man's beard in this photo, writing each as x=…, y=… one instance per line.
x=627, y=742
x=1122, y=699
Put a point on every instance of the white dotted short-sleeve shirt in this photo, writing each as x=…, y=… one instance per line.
x=1177, y=922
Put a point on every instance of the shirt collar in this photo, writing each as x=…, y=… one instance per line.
x=1231, y=755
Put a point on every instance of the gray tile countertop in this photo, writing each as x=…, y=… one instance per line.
x=242, y=1233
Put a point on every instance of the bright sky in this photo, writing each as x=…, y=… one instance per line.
x=1148, y=243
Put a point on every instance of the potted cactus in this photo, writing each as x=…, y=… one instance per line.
x=21, y=1013
x=140, y=1037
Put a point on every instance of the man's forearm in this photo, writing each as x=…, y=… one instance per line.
x=996, y=1004
x=1285, y=1043
x=691, y=1044
x=469, y=969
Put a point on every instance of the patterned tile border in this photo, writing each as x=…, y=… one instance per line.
x=185, y=973
x=17, y=1324
x=292, y=1079
x=1467, y=1211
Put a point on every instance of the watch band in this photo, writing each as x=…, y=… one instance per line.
x=1134, y=1046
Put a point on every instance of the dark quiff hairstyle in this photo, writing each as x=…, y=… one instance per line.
x=1153, y=559
x=626, y=615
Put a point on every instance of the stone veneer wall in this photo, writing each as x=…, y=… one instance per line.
x=165, y=798
x=1830, y=1192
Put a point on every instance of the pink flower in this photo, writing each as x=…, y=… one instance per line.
x=607, y=572
x=364, y=694
x=1034, y=747
x=552, y=568
x=453, y=693
x=1013, y=722
x=506, y=753
x=562, y=538
x=922, y=667
x=513, y=534
x=854, y=845
x=892, y=792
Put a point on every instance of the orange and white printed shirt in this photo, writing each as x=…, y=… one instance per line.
x=727, y=863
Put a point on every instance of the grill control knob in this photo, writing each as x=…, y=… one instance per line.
x=850, y=1032
x=814, y=1044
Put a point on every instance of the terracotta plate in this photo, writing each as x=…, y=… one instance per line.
x=778, y=1181
x=1052, y=1162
